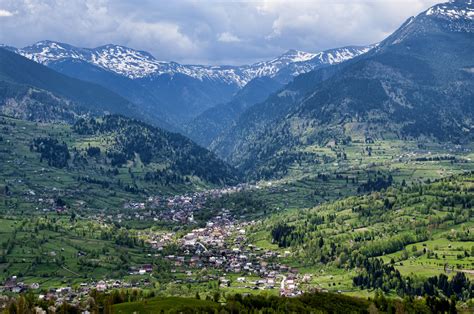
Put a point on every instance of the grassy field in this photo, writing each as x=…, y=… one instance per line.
x=430, y=258
x=55, y=252
x=348, y=166
x=160, y=304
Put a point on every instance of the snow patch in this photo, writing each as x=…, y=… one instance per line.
x=453, y=11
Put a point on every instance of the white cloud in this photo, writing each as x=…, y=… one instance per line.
x=227, y=37
x=5, y=13
x=149, y=36
x=212, y=31
x=324, y=24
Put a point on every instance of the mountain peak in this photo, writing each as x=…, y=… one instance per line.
x=51, y=44
x=449, y=17
x=294, y=55
x=45, y=42
x=455, y=9
x=46, y=51
x=113, y=48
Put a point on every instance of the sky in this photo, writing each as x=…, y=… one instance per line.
x=206, y=31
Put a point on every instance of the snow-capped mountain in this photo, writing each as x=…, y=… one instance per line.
x=175, y=92
x=136, y=64
x=455, y=16
x=269, y=77
x=320, y=59
x=271, y=68
x=293, y=62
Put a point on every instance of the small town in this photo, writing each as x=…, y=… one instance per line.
x=220, y=247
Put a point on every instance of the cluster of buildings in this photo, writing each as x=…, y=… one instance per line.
x=222, y=245
x=15, y=286
x=74, y=295
x=179, y=208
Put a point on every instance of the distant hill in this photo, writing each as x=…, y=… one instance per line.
x=419, y=82
x=174, y=154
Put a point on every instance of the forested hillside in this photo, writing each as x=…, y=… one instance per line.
x=415, y=230
x=102, y=161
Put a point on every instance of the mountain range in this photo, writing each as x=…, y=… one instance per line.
x=272, y=75
x=169, y=91
x=136, y=64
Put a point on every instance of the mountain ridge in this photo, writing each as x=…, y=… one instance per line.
x=138, y=64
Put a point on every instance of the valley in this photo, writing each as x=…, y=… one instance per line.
x=226, y=240
x=336, y=181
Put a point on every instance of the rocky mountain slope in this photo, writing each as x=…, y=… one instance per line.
x=272, y=75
